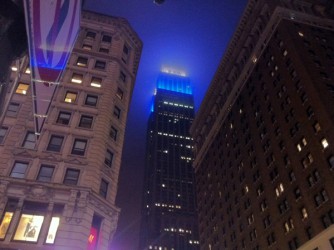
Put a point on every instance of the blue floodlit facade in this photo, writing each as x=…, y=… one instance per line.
x=169, y=219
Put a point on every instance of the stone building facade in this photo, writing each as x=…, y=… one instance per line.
x=58, y=192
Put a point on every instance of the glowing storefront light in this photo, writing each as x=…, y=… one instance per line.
x=52, y=230
x=29, y=227
x=5, y=224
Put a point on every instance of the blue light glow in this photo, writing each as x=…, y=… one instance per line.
x=175, y=83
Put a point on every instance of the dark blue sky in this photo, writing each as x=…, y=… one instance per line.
x=189, y=35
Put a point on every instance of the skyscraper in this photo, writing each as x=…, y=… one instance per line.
x=59, y=192
x=169, y=218
x=263, y=135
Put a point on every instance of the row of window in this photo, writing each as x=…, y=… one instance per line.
x=46, y=172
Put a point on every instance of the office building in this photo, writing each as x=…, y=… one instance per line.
x=58, y=192
x=263, y=137
x=169, y=218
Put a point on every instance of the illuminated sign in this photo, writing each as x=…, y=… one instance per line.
x=92, y=239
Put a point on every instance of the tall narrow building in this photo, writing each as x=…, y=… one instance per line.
x=58, y=192
x=264, y=137
x=169, y=218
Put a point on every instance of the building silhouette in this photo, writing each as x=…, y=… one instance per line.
x=58, y=192
x=169, y=218
x=264, y=141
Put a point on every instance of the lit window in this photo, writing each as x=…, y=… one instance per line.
x=117, y=112
x=79, y=147
x=29, y=140
x=299, y=147
x=27, y=70
x=103, y=188
x=90, y=34
x=86, y=121
x=14, y=68
x=106, y=39
x=285, y=52
x=70, y=97
x=19, y=169
x=279, y=190
x=55, y=143
x=91, y=100
x=13, y=108
x=64, y=118
x=52, y=230
x=82, y=61
x=119, y=93
x=317, y=127
x=109, y=157
x=22, y=88
x=45, y=173
x=3, y=131
x=29, y=227
x=324, y=143
x=87, y=47
x=303, y=211
x=100, y=65
x=71, y=176
x=77, y=78
x=113, y=133
x=7, y=218
x=300, y=34
x=96, y=82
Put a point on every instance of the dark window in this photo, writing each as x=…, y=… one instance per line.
x=119, y=93
x=79, y=147
x=86, y=121
x=109, y=157
x=90, y=34
x=45, y=173
x=125, y=54
x=55, y=143
x=122, y=76
x=331, y=162
x=29, y=140
x=87, y=47
x=117, y=112
x=64, y=118
x=91, y=100
x=3, y=132
x=19, y=169
x=106, y=39
x=71, y=176
x=13, y=108
x=331, y=240
x=104, y=188
x=82, y=61
x=113, y=133
x=100, y=65
x=104, y=50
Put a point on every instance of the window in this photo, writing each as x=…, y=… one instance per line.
x=316, y=127
x=45, y=173
x=109, y=157
x=64, y=118
x=117, y=112
x=104, y=50
x=70, y=97
x=96, y=82
x=125, y=55
x=82, y=61
x=87, y=47
x=29, y=227
x=324, y=143
x=19, y=169
x=53, y=228
x=55, y=143
x=288, y=225
x=106, y=39
x=119, y=93
x=100, y=65
x=113, y=133
x=304, y=213
x=90, y=34
x=104, y=188
x=91, y=100
x=330, y=161
x=86, y=121
x=279, y=189
x=13, y=108
x=71, y=176
x=321, y=197
x=122, y=76
x=328, y=218
x=29, y=140
x=298, y=194
x=7, y=217
x=22, y=88
x=293, y=244
x=79, y=147
x=3, y=131
x=77, y=78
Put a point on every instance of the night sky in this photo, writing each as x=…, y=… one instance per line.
x=189, y=35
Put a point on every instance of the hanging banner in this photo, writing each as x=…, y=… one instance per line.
x=52, y=28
